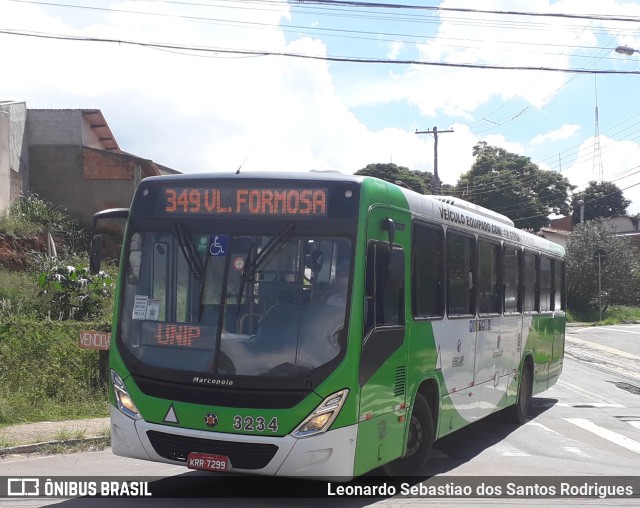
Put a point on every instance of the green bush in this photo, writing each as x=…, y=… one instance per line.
x=76, y=294
x=44, y=375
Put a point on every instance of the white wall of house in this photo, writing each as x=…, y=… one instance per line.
x=14, y=155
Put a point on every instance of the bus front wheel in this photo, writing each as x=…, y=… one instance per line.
x=419, y=441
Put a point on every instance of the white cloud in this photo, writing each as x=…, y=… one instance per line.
x=620, y=165
x=564, y=132
x=394, y=49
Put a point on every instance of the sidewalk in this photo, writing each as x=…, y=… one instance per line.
x=43, y=436
x=598, y=346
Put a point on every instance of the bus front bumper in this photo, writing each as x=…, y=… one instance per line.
x=328, y=456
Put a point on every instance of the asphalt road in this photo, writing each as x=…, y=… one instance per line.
x=586, y=425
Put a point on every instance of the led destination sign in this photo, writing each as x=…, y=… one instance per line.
x=255, y=201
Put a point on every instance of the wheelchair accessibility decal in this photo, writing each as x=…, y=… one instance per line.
x=219, y=245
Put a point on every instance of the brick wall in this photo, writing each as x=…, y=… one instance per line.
x=102, y=165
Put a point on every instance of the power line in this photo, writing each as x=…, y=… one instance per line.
x=343, y=59
x=601, y=17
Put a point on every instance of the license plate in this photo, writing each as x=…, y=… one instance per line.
x=208, y=462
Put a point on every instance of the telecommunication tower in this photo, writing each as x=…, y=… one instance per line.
x=597, y=154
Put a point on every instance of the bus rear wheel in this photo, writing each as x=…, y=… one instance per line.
x=419, y=441
x=519, y=413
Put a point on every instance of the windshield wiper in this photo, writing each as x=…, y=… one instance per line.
x=188, y=252
x=250, y=268
x=202, y=285
x=243, y=278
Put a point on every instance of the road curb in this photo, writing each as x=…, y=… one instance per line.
x=48, y=445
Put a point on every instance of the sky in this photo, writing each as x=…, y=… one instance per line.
x=270, y=85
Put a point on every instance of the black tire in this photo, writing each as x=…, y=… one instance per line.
x=419, y=441
x=519, y=413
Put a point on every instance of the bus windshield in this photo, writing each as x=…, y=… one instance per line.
x=235, y=304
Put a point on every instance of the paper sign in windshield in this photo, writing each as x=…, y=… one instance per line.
x=140, y=307
x=153, y=309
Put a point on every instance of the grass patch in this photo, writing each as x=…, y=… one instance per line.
x=611, y=315
x=93, y=445
x=18, y=295
x=44, y=375
x=67, y=434
x=6, y=443
x=621, y=314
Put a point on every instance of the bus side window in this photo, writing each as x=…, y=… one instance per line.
x=511, y=278
x=530, y=281
x=428, y=271
x=460, y=274
x=489, y=301
x=545, y=284
x=384, y=286
x=558, y=285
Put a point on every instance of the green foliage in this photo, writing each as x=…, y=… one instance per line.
x=18, y=227
x=30, y=215
x=428, y=181
x=44, y=375
x=394, y=173
x=616, y=314
x=18, y=295
x=620, y=273
x=514, y=186
x=75, y=293
x=612, y=315
x=601, y=199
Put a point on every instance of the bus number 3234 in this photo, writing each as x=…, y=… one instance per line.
x=257, y=424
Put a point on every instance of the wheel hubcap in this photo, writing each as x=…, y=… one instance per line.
x=415, y=436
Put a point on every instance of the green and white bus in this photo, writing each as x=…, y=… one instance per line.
x=321, y=325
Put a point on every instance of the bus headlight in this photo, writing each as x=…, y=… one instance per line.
x=125, y=404
x=323, y=416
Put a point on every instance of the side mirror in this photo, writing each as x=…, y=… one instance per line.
x=95, y=258
x=95, y=253
x=389, y=226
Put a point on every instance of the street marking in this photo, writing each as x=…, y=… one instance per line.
x=577, y=451
x=590, y=395
x=616, y=329
x=543, y=427
x=586, y=404
x=594, y=345
x=607, y=434
x=634, y=424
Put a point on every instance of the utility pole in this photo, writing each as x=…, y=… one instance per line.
x=435, y=133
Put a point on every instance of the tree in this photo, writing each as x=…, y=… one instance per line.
x=394, y=173
x=620, y=272
x=513, y=185
x=601, y=199
x=428, y=180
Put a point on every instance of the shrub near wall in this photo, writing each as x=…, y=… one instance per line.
x=45, y=375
